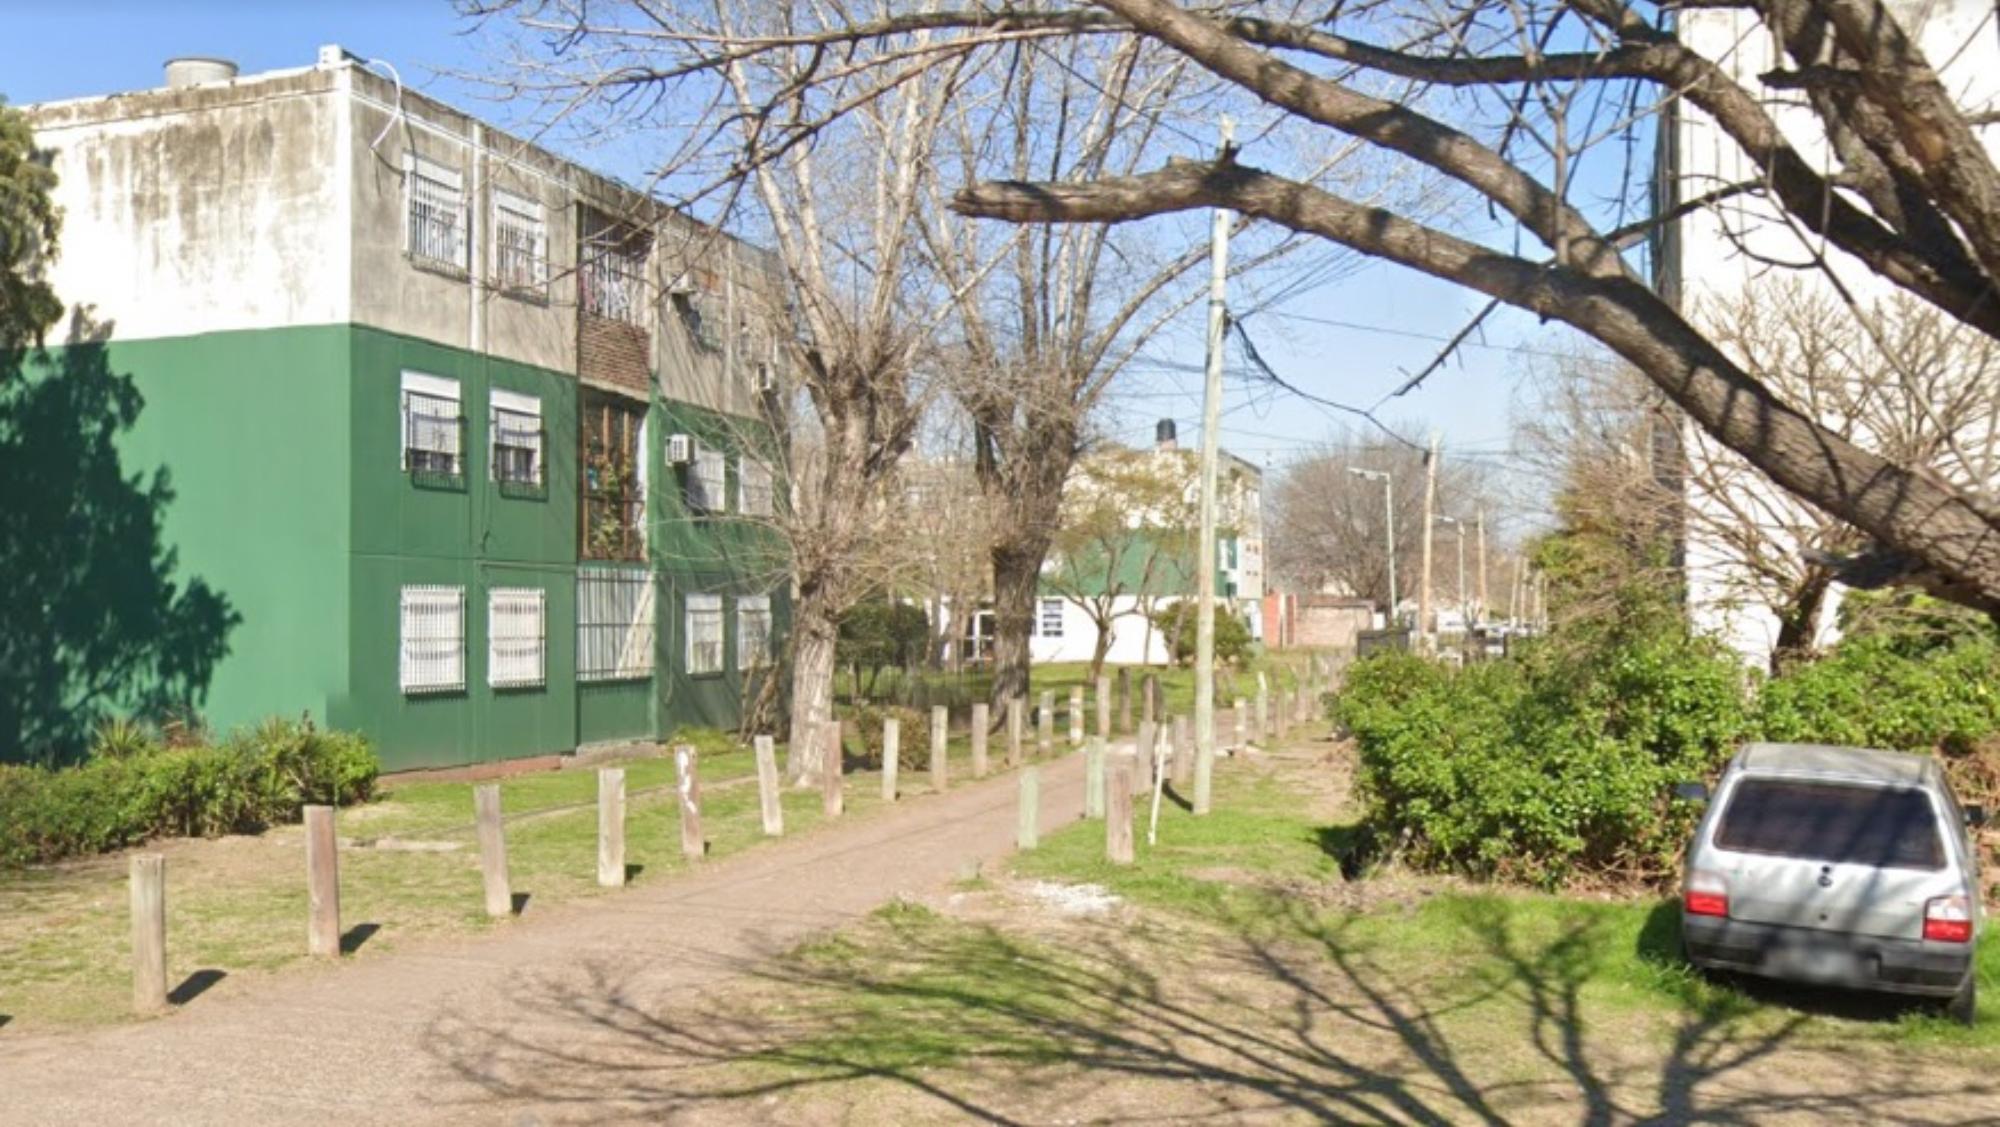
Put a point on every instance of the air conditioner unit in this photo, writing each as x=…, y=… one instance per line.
x=681, y=286
x=767, y=376
x=680, y=449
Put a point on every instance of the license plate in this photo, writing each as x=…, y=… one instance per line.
x=1812, y=964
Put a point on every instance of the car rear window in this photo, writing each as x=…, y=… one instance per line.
x=1846, y=825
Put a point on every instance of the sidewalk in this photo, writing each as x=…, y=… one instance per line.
x=377, y=1041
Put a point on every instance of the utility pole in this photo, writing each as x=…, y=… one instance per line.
x=1426, y=626
x=1514, y=596
x=1211, y=445
x=1458, y=591
x=1389, y=521
x=1480, y=517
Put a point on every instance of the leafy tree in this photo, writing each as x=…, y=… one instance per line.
x=1127, y=538
x=29, y=224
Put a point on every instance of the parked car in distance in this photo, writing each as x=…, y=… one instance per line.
x=1836, y=866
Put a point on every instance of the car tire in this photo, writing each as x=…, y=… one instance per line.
x=1963, y=1006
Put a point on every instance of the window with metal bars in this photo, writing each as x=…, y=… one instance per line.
x=520, y=245
x=753, y=631
x=516, y=427
x=432, y=640
x=433, y=429
x=611, y=270
x=1052, y=618
x=704, y=634
x=516, y=637
x=614, y=624
x=753, y=488
x=707, y=490
x=613, y=481
x=434, y=197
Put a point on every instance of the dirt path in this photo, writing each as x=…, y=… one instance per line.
x=374, y=1042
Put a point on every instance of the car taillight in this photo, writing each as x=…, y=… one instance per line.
x=1947, y=919
x=1705, y=894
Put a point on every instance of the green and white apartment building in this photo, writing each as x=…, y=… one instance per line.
x=474, y=442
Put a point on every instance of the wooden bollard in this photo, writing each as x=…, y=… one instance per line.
x=1045, y=726
x=1149, y=699
x=1242, y=725
x=1183, y=753
x=1028, y=834
x=149, y=933
x=1093, y=778
x=940, y=738
x=892, y=754
x=1014, y=720
x=1076, y=716
x=1204, y=773
x=492, y=850
x=1104, y=708
x=833, y=801
x=322, y=884
x=1118, y=814
x=693, y=846
x=1142, y=755
x=1124, y=698
x=611, y=826
x=982, y=718
x=768, y=799
x=1260, y=729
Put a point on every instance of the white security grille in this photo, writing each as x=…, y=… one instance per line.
x=612, y=281
x=517, y=438
x=753, y=488
x=704, y=634
x=432, y=425
x=433, y=639
x=1052, y=618
x=706, y=491
x=753, y=631
x=516, y=637
x=614, y=624
x=520, y=244
x=436, y=198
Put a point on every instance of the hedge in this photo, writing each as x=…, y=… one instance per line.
x=131, y=789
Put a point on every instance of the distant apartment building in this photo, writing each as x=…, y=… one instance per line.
x=474, y=442
x=1720, y=260
x=1149, y=565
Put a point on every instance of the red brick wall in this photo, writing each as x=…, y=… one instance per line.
x=613, y=352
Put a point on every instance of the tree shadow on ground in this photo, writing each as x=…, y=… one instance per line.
x=93, y=620
x=1286, y=1017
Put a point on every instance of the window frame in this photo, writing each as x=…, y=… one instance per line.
x=635, y=637
x=1042, y=607
x=412, y=597
x=747, y=468
x=709, y=604
x=538, y=598
x=531, y=218
x=764, y=654
x=445, y=179
x=699, y=496
x=500, y=401
x=423, y=385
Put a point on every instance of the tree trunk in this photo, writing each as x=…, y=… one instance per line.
x=1101, y=649
x=1017, y=572
x=814, y=631
x=1798, y=621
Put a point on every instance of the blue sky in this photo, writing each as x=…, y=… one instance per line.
x=1352, y=340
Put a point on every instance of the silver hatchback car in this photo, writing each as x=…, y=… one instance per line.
x=1838, y=866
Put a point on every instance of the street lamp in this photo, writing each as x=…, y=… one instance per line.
x=1458, y=534
x=1389, y=513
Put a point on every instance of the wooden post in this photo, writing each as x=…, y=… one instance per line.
x=492, y=850
x=1076, y=716
x=767, y=786
x=1104, y=708
x=1028, y=833
x=892, y=753
x=611, y=826
x=1261, y=728
x=940, y=736
x=322, y=884
x=693, y=846
x=1014, y=719
x=1149, y=698
x=1124, y=698
x=1045, y=726
x=1143, y=756
x=149, y=933
x=833, y=802
x=982, y=718
x=1093, y=778
x=1118, y=814
x=1242, y=724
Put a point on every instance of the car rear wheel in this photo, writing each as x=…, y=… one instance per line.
x=1963, y=1006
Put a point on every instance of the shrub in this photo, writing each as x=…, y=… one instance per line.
x=137, y=789
x=1873, y=691
x=1177, y=624
x=876, y=636
x=862, y=727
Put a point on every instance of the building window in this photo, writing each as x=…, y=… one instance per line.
x=706, y=486
x=435, y=200
x=517, y=439
x=704, y=634
x=516, y=637
x=611, y=270
x=614, y=624
x=753, y=631
x=613, y=481
x=520, y=245
x=433, y=427
x=433, y=640
x=753, y=488
x=1051, y=619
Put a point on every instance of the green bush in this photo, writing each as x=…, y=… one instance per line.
x=1873, y=691
x=133, y=789
x=1177, y=624
x=878, y=636
x=862, y=728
